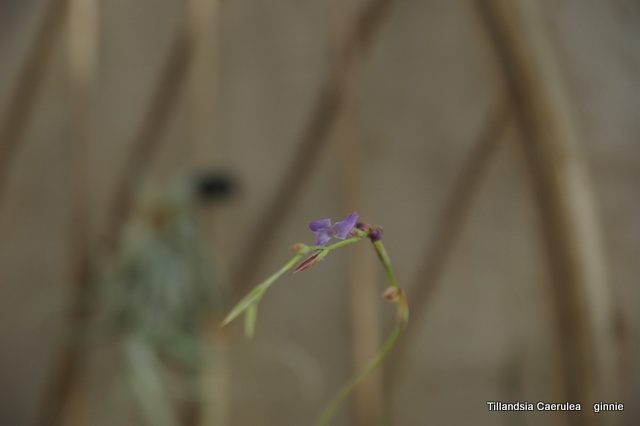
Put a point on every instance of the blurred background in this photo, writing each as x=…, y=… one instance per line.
x=158, y=158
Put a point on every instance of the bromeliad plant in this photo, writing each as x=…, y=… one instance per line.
x=349, y=231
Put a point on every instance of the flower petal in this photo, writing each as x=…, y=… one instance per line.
x=341, y=229
x=317, y=225
x=323, y=236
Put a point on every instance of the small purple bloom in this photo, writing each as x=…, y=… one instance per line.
x=324, y=230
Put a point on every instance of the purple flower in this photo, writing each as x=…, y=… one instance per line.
x=324, y=230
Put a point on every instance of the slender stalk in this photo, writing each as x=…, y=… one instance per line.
x=386, y=262
x=550, y=141
x=344, y=243
x=65, y=396
x=332, y=407
x=451, y=224
x=147, y=139
x=27, y=88
x=249, y=303
x=364, y=308
x=401, y=320
x=256, y=294
x=265, y=285
x=208, y=151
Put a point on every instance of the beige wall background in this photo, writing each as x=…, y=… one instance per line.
x=418, y=101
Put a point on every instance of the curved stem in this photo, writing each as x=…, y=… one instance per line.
x=332, y=406
x=386, y=262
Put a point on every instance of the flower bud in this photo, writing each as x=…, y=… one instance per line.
x=309, y=262
x=392, y=294
x=300, y=248
x=396, y=295
x=375, y=235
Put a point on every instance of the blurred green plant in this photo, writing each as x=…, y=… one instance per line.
x=157, y=292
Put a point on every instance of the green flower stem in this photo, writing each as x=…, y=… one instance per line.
x=250, y=302
x=326, y=250
x=282, y=270
x=344, y=243
x=402, y=308
x=332, y=406
x=386, y=262
x=256, y=294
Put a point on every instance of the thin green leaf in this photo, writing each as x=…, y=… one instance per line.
x=250, y=299
x=256, y=294
x=250, y=320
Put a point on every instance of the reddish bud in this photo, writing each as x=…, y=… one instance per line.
x=308, y=262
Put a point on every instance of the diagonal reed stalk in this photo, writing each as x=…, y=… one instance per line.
x=28, y=87
x=204, y=19
x=364, y=313
x=158, y=111
x=64, y=401
x=451, y=223
x=569, y=226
